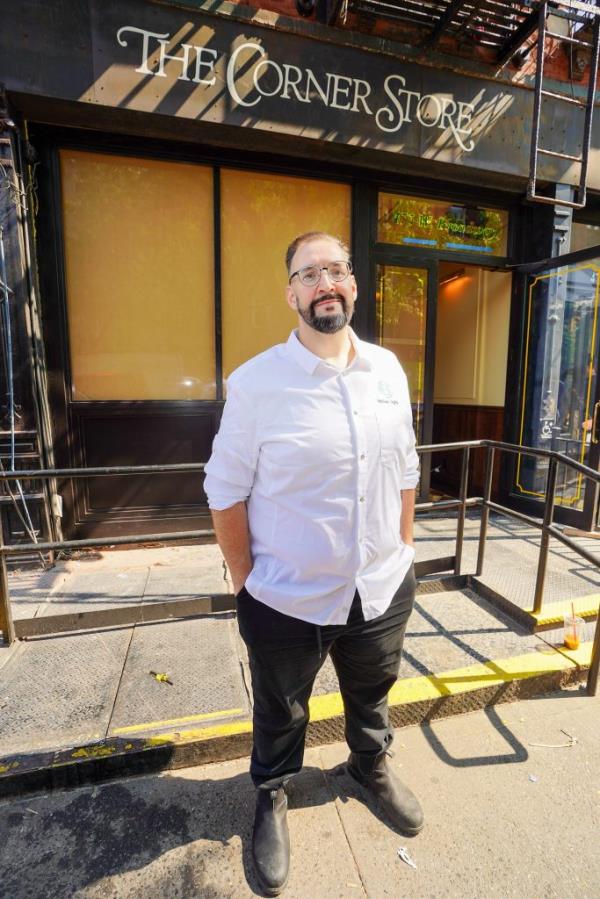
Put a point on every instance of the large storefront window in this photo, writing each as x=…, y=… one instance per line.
x=139, y=254
x=440, y=225
x=260, y=215
x=560, y=370
x=140, y=269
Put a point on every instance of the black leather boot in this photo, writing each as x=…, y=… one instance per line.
x=400, y=805
x=271, y=841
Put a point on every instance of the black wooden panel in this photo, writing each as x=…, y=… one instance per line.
x=143, y=438
x=455, y=423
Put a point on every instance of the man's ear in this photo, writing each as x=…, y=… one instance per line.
x=291, y=298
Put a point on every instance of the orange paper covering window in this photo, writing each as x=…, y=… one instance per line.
x=139, y=252
x=260, y=215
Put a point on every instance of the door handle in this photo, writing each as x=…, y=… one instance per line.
x=595, y=437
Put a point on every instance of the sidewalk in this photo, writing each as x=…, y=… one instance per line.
x=83, y=696
x=506, y=815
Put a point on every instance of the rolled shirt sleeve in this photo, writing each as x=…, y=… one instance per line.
x=231, y=468
x=412, y=470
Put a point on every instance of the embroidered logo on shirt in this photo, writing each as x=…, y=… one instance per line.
x=385, y=393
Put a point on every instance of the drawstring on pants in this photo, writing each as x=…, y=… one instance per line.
x=319, y=641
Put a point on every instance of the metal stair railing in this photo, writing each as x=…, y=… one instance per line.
x=209, y=604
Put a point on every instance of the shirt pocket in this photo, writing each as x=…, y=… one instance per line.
x=393, y=434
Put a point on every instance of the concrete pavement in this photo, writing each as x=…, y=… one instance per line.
x=511, y=796
x=75, y=700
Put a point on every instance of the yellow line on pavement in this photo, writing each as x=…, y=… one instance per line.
x=462, y=680
x=204, y=733
x=415, y=689
x=188, y=719
x=488, y=674
x=554, y=612
x=406, y=691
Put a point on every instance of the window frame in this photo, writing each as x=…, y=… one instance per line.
x=365, y=185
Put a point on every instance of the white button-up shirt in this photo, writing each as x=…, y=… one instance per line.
x=321, y=455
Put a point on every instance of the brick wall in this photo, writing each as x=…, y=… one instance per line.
x=556, y=65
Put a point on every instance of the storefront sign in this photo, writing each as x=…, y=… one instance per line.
x=164, y=60
x=272, y=78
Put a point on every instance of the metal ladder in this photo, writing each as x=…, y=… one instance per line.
x=29, y=501
x=573, y=11
x=15, y=522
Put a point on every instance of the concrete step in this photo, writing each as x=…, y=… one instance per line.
x=85, y=707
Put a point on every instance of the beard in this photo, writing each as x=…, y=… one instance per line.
x=326, y=324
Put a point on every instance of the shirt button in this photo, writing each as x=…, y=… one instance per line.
x=362, y=499
x=354, y=412
x=362, y=457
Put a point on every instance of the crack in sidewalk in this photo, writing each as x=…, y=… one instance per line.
x=335, y=799
x=116, y=696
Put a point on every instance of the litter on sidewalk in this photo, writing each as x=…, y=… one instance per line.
x=161, y=678
x=406, y=858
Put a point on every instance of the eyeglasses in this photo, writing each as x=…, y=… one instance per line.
x=310, y=275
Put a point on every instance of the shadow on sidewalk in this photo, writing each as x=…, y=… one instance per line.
x=73, y=842
x=519, y=752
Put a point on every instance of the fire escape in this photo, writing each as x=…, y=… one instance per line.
x=499, y=32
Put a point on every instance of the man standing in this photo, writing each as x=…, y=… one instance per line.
x=311, y=484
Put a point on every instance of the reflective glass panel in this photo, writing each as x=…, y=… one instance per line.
x=139, y=252
x=584, y=236
x=401, y=316
x=261, y=214
x=560, y=376
x=440, y=225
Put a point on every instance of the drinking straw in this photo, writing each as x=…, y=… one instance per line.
x=573, y=620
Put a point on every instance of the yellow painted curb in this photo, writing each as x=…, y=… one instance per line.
x=204, y=733
x=488, y=674
x=462, y=680
x=416, y=689
x=554, y=612
x=188, y=719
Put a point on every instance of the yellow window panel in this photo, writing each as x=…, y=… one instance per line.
x=139, y=252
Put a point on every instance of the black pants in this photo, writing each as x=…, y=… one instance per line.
x=285, y=657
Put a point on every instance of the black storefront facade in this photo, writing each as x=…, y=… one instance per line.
x=169, y=155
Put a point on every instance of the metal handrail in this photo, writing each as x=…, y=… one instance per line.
x=463, y=502
x=546, y=525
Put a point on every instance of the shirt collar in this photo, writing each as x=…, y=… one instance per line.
x=310, y=362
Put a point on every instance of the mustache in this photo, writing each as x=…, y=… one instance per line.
x=328, y=297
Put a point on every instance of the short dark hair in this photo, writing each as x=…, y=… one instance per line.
x=307, y=237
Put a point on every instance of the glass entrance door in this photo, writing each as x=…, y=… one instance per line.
x=560, y=408
x=405, y=324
